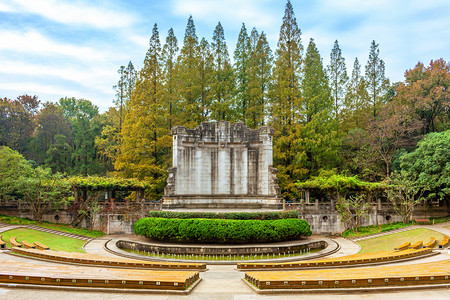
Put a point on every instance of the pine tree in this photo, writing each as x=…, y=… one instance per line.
x=253, y=39
x=285, y=105
x=377, y=83
x=206, y=76
x=188, y=77
x=145, y=139
x=223, y=83
x=242, y=56
x=170, y=98
x=319, y=135
x=356, y=99
x=286, y=96
x=316, y=92
x=337, y=73
x=259, y=80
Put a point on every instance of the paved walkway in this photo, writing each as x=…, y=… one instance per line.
x=224, y=282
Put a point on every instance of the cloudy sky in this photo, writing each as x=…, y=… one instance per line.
x=73, y=48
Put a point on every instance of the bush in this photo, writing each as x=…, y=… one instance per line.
x=221, y=231
x=266, y=215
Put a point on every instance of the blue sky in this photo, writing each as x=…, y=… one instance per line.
x=55, y=49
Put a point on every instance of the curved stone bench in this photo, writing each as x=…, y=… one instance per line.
x=444, y=243
x=371, y=277
x=97, y=260
x=88, y=277
x=14, y=242
x=431, y=244
x=417, y=245
x=356, y=259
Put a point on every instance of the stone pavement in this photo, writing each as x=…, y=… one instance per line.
x=224, y=282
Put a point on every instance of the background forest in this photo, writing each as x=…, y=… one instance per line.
x=327, y=119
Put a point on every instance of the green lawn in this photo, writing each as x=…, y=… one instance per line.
x=54, y=226
x=390, y=241
x=55, y=242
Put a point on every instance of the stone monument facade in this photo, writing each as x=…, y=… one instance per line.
x=222, y=165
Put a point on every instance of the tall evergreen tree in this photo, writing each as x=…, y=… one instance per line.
x=188, y=77
x=223, y=83
x=145, y=147
x=131, y=77
x=316, y=92
x=337, y=74
x=285, y=108
x=286, y=96
x=319, y=134
x=242, y=55
x=253, y=39
x=170, y=98
x=205, y=76
x=259, y=80
x=377, y=83
x=356, y=99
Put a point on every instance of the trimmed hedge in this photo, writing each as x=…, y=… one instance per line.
x=266, y=215
x=222, y=231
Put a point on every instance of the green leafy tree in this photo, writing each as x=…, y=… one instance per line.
x=285, y=93
x=337, y=74
x=170, y=95
x=188, y=77
x=427, y=90
x=223, y=82
x=356, y=100
x=404, y=194
x=145, y=147
x=320, y=137
x=428, y=166
x=352, y=210
x=59, y=154
x=206, y=76
x=376, y=82
x=242, y=56
x=285, y=105
x=16, y=124
x=259, y=81
x=50, y=122
x=84, y=118
x=13, y=167
x=43, y=190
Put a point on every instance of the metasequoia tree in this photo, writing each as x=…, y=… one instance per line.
x=223, y=80
x=376, y=82
x=337, y=74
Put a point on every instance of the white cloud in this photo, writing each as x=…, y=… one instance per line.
x=253, y=13
x=37, y=44
x=72, y=12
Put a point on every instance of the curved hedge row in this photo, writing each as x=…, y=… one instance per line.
x=264, y=215
x=222, y=231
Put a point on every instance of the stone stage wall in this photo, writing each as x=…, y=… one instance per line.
x=222, y=164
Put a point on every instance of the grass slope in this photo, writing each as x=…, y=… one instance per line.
x=54, y=226
x=54, y=241
x=390, y=241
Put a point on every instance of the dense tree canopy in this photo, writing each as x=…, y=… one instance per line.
x=358, y=125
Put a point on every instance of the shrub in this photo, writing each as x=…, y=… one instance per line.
x=266, y=215
x=221, y=231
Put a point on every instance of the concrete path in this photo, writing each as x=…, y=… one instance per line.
x=224, y=282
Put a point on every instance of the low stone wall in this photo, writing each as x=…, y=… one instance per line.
x=222, y=250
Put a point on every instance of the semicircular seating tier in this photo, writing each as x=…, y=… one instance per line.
x=22, y=273
x=98, y=260
x=425, y=274
x=350, y=260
